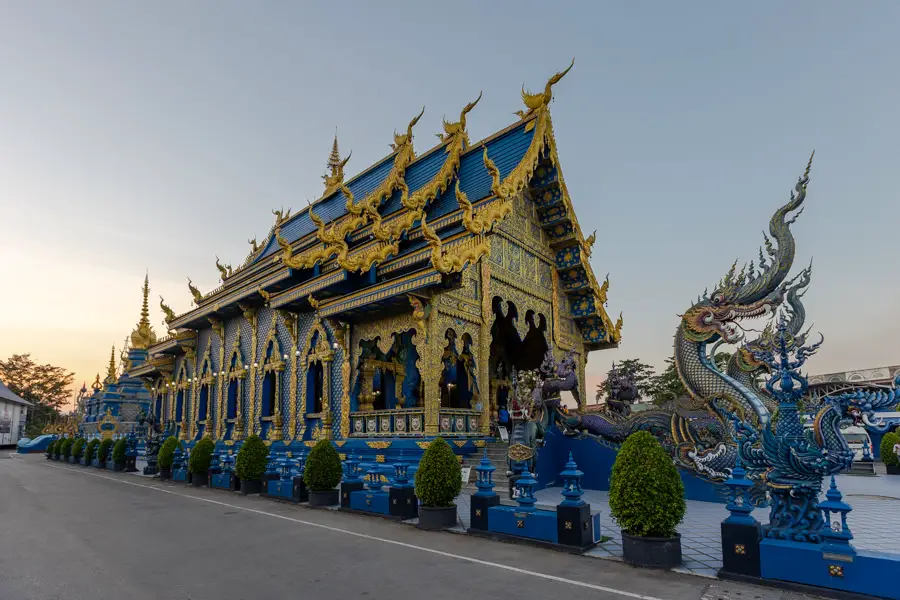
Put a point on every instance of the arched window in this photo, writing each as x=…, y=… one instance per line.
x=268, y=395
x=232, y=399
x=179, y=405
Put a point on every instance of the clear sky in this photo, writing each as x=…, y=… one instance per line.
x=138, y=136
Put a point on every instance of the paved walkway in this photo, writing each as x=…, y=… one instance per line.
x=76, y=532
x=875, y=521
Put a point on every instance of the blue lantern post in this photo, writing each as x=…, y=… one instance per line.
x=525, y=492
x=574, y=524
x=352, y=480
x=485, y=497
x=836, y=533
x=741, y=533
x=402, y=500
x=867, y=451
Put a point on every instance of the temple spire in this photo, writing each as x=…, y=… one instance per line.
x=143, y=335
x=111, y=372
x=334, y=159
x=335, y=179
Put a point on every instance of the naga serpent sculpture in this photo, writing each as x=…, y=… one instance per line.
x=727, y=413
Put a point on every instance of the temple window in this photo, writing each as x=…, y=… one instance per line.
x=316, y=387
x=269, y=390
x=204, y=402
x=232, y=399
x=179, y=405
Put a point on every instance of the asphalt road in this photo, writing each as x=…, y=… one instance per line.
x=74, y=533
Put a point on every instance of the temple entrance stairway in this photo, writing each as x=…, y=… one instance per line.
x=863, y=468
x=496, y=452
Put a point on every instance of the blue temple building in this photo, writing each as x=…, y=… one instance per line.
x=122, y=396
x=396, y=306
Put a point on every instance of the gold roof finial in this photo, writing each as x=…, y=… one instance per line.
x=96, y=385
x=111, y=371
x=143, y=334
x=336, y=165
x=539, y=101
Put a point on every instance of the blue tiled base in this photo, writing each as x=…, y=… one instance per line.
x=372, y=502
x=180, y=475
x=221, y=481
x=537, y=525
x=870, y=573
x=281, y=489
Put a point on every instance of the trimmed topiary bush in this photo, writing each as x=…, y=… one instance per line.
x=78, y=448
x=103, y=451
x=322, y=471
x=166, y=455
x=92, y=449
x=201, y=455
x=66, y=448
x=57, y=448
x=51, y=449
x=887, y=449
x=250, y=463
x=439, y=477
x=118, y=453
x=646, y=495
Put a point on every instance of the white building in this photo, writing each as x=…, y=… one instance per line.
x=13, y=411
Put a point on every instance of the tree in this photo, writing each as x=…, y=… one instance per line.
x=45, y=386
x=642, y=373
x=667, y=386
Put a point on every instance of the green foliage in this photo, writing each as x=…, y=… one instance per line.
x=642, y=373
x=78, y=448
x=67, y=448
x=51, y=448
x=646, y=495
x=92, y=449
x=103, y=452
x=201, y=455
x=439, y=478
x=48, y=388
x=322, y=471
x=667, y=386
x=118, y=453
x=166, y=455
x=251, y=459
x=887, y=449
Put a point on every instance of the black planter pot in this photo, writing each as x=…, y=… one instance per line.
x=251, y=486
x=165, y=473
x=119, y=466
x=322, y=499
x=71, y=460
x=652, y=552
x=200, y=479
x=436, y=517
x=892, y=469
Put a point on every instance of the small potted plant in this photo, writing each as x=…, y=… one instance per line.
x=51, y=450
x=438, y=483
x=118, y=455
x=66, y=449
x=251, y=464
x=103, y=453
x=57, y=451
x=77, y=450
x=91, y=451
x=322, y=473
x=199, y=461
x=888, y=457
x=166, y=457
x=646, y=499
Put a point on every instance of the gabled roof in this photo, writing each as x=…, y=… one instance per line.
x=407, y=209
x=8, y=395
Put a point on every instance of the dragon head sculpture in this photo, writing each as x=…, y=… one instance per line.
x=749, y=293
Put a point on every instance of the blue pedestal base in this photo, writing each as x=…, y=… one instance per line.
x=542, y=526
x=281, y=489
x=367, y=501
x=221, y=481
x=864, y=573
x=180, y=475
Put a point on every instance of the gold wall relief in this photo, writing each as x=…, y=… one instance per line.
x=485, y=344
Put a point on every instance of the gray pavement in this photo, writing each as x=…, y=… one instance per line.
x=70, y=532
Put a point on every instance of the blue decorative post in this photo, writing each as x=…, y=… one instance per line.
x=571, y=477
x=373, y=478
x=741, y=532
x=525, y=496
x=574, y=524
x=867, y=451
x=836, y=533
x=352, y=481
x=402, y=501
x=482, y=500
